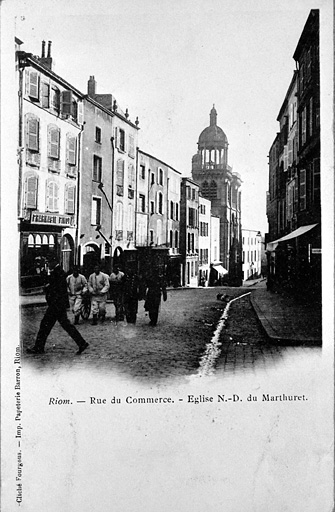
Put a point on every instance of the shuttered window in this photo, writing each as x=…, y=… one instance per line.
x=96, y=211
x=119, y=177
x=33, y=85
x=302, y=190
x=67, y=103
x=53, y=141
x=55, y=99
x=97, y=168
x=31, y=191
x=32, y=132
x=131, y=148
x=52, y=196
x=71, y=150
x=70, y=199
x=45, y=95
x=131, y=176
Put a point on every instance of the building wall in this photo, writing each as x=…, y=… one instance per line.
x=294, y=175
x=96, y=144
x=252, y=254
x=50, y=121
x=205, y=256
x=189, y=231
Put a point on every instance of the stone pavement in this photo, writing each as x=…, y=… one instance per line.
x=283, y=319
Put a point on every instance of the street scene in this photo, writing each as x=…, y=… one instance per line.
x=181, y=344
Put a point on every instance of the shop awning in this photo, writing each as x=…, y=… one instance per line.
x=271, y=246
x=220, y=270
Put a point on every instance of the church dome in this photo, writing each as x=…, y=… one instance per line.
x=213, y=136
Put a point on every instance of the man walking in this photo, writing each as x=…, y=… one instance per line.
x=98, y=286
x=76, y=287
x=57, y=299
x=130, y=296
x=155, y=289
x=116, y=281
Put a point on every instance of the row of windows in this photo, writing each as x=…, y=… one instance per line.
x=190, y=242
x=119, y=181
x=174, y=207
x=309, y=121
x=50, y=97
x=250, y=255
x=52, y=195
x=154, y=178
x=191, y=193
x=53, y=140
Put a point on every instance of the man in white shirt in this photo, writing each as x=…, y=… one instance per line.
x=76, y=287
x=98, y=286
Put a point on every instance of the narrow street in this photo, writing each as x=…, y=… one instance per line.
x=190, y=339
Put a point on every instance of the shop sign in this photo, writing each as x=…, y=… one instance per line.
x=316, y=251
x=52, y=218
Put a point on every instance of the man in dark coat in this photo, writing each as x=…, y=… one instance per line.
x=155, y=289
x=130, y=296
x=57, y=299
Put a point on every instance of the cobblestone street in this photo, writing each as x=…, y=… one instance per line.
x=186, y=325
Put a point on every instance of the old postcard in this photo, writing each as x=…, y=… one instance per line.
x=167, y=273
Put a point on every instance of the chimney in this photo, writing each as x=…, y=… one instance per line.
x=91, y=87
x=46, y=61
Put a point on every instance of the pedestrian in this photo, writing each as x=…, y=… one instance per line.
x=76, y=287
x=116, y=281
x=155, y=289
x=58, y=301
x=131, y=293
x=98, y=286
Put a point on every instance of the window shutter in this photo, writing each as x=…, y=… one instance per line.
x=32, y=133
x=67, y=103
x=290, y=152
x=119, y=172
x=70, y=199
x=131, y=150
x=80, y=112
x=117, y=138
x=45, y=95
x=47, y=199
x=54, y=142
x=56, y=208
x=71, y=150
x=33, y=85
x=94, y=212
x=31, y=192
x=285, y=157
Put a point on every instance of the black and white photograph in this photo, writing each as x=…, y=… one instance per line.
x=167, y=256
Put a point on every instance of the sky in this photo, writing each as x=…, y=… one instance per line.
x=169, y=61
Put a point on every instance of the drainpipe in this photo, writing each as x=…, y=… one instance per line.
x=136, y=199
x=20, y=148
x=167, y=213
x=112, y=196
x=78, y=223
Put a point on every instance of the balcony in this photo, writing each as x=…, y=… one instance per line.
x=33, y=158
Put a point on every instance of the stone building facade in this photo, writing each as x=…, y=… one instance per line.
x=294, y=203
x=50, y=123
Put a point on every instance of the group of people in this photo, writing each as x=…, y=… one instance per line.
x=124, y=288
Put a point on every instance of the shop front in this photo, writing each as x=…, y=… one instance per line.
x=46, y=236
